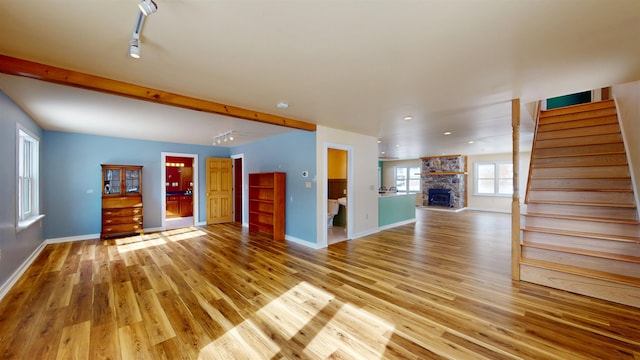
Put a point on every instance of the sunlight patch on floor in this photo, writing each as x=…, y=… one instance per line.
x=154, y=239
x=140, y=245
x=183, y=234
x=307, y=315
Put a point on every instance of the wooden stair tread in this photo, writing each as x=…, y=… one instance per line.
x=631, y=239
x=586, y=161
x=592, y=253
x=578, y=108
x=553, y=156
x=579, y=122
x=568, y=165
x=601, y=275
x=581, y=189
x=576, y=177
x=584, y=218
x=579, y=141
x=556, y=202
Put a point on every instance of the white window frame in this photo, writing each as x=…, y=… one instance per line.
x=407, y=178
x=496, y=178
x=27, y=173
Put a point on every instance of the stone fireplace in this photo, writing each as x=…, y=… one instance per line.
x=446, y=175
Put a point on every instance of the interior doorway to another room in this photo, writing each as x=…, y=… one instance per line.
x=238, y=188
x=337, y=185
x=180, y=184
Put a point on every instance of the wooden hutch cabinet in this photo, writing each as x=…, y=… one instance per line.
x=121, y=200
x=267, y=203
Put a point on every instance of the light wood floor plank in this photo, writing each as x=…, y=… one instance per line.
x=437, y=289
x=75, y=342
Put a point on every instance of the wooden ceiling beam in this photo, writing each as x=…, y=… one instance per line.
x=19, y=67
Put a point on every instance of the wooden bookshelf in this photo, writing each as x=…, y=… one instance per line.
x=267, y=203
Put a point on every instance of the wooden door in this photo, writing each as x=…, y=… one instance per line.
x=219, y=180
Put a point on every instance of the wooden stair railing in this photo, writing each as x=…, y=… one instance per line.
x=581, y=231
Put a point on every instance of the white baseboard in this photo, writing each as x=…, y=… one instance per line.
x=444, y=209
x=72, y=238
x=365, y=233
x=399, y=223
x=303, y=242
x=13, y=279
x=490, y=210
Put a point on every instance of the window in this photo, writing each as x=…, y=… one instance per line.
x=407, y=179
x=494, y=178
x=28, y=187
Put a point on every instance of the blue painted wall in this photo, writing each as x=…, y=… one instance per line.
x=15, y=247
x=292, y=153
x=72, y=186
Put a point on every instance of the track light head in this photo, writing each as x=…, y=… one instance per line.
x=134, y=48
x=148, y=7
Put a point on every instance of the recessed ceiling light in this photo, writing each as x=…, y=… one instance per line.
x=407, y=118
x=471, y=141
x=379, y=141
x=282, y=105
x=447, y=133
x=397, y=145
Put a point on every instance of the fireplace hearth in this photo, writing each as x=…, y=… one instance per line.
x=440, y=197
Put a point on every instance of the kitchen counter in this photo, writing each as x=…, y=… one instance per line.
x=179, y=193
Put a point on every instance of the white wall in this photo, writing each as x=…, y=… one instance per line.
x=627, y=97
x=496, y=203
x=363, y=181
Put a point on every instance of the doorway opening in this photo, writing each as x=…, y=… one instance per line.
x=337, y=195
x=180, y=178
x=238, y=188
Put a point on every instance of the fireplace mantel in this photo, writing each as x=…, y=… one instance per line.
x=436, y=173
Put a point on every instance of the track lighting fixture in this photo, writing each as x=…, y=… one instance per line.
x=134, y=48
x=148, y=7
x=223, y=137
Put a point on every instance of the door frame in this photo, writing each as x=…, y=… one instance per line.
x=245, y=222
x=325, y=191
x=163, y=187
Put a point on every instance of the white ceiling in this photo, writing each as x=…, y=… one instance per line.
x=354, y=65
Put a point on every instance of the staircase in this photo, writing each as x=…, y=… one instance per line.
x=581, y=230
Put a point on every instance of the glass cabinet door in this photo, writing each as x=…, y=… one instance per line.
x=112, y=181
x=132, y=181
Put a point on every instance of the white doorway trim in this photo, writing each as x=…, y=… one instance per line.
x=163, y=187
x=325, y=192
x=245, y=205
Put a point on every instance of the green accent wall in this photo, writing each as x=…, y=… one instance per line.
x=568, y=100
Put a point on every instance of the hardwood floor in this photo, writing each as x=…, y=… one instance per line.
x=436, y=289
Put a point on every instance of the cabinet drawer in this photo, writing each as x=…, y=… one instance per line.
x=122, y=228
x=136, y=219
x=121, y=202
x=122, y=212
